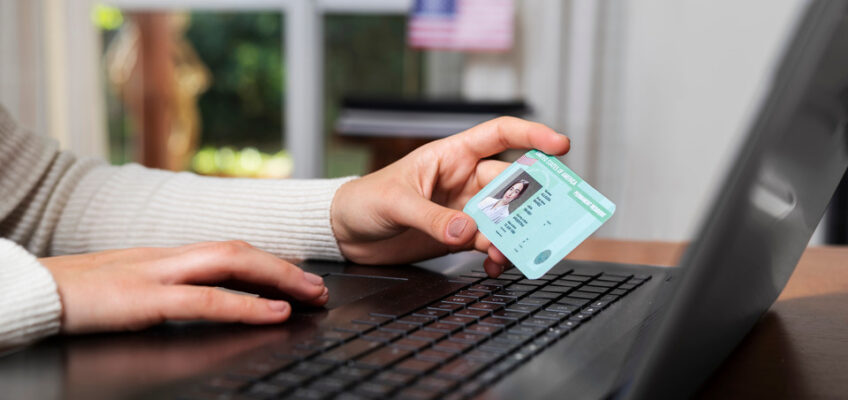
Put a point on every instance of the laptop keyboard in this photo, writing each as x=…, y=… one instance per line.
x=452, y=349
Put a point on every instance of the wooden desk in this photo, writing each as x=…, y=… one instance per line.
x=800, y=347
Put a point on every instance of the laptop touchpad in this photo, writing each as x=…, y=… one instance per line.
x=347, y=288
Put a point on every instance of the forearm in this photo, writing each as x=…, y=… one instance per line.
x=131, y=206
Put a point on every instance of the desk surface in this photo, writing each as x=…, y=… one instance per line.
x=800, y=347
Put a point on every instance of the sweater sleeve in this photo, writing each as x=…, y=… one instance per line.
x=29, y=302
x=54, y=204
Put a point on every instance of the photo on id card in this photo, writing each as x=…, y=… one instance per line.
x=537, y=211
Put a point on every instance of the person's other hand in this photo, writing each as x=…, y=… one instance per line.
x=135, y=288
x=408, y=211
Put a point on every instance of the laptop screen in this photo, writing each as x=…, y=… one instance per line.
x=770, y=202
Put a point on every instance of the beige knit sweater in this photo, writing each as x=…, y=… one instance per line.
x=52, y=204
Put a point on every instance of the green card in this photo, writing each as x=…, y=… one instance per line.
x=537, y=211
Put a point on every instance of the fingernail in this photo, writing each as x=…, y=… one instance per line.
x=325, y=293
x=278, y=306
x=313, y=279
x=503, y=267
x=457, y=226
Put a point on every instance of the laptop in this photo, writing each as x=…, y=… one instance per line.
x=584, y=330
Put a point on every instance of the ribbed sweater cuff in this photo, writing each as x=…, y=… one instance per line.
x=30, y=307
x=131, y=206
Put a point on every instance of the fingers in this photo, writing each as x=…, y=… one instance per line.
x=235, y=260
x=496, y=262
x=184, y=302
x=497, y=135
x=446, y=225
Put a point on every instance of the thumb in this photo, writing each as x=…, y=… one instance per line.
x=446, y=225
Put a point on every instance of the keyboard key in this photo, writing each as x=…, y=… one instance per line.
x=349, y=351
x=438, y=384
x=543, y=295
x=530, y=330
x=469, y=337
x=532, y=282
x=472, y=293
x=533, y=301
x=482, y=356
x=450, y=307
x=593, y=289
x=498, y=300
x=473, y=313
x=354, y=373
x=565, y=283
x=513, y=338
x=417, y=393
x=576, y=278
x=452, y=346
x=460, y=300
x=395, y=378
x=483, y=329
x=411, y=344
x=399, y=327
x=496, y=282
x=458, y=320
x=569, y=324
x=562, y=308
x=522, y=308
x=485, y=306
x=383, y=357
x=573, y=301
x=266, y=390
x=606, y=284
x=330, y=384
x=429, y=336
x=556, y=289
x=550, y=315
x=512, y=315
x=442, y=327
x=583, y=295
x=374, y=389
x=509, y=293
x=613, y=277
x=460, y=369
x=382, y=336
x=373, y=320
x=499, y=347
x=416, y=320
x=627, y=286
x=618, y=292
x=485, y=288
x=434, y=355
x=501, y=322
x=416, y=366
x=539, y=322
x=520, y=288
x=431, y=313
x=311, y=368
x=311, y=394
x=290, y=378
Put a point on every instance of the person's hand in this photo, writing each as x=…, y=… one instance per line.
x=136, y=288
x=408, y=210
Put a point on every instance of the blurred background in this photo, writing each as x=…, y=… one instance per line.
x=654, y=94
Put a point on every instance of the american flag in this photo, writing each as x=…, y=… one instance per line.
x=475, y=25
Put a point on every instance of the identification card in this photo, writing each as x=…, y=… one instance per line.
x=537, y=211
